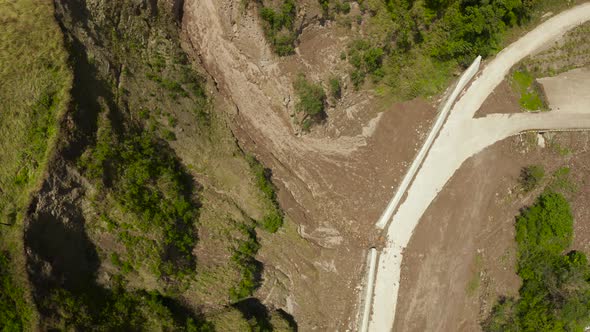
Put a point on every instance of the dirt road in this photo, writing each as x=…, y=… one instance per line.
x=461, y=137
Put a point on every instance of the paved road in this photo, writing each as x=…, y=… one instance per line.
x=460, y=138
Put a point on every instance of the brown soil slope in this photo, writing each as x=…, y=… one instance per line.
x=462, y=255
x=335, y=181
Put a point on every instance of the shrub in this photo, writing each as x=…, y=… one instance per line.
x=272, y=221
x=273, y=218
x=357, y=78
x=531, y=176
x=250, y=269
x=312, y=97
x=546, y=227
x=335, y=88
x=343, y=7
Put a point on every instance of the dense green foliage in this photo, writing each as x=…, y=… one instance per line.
x=555, y=294
x=279, y=26
x=14, y=312
x=531, y=176
x=530, y=92
x=273, y=219
x=311, y=101
x=148, y=182
x=366, y=60
x=98, y=309
x=423, y=42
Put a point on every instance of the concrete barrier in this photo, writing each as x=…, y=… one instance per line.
x=393, y=204
x=366, y=305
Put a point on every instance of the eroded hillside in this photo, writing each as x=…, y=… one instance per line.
x=150, y=215
x=213, y=165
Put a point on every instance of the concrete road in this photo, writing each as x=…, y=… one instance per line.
x=460, y=138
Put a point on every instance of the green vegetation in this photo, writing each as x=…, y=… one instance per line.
x=556, y=290
x=99, y=309
x=34, y=95
x=332, y=7
x=15, y=313
x=530, y=91
x=250, y=269
x=531, y=176
x=279, y=26
x=560, y=181
x=311, y=100
x=365, y=60
x=273, y=219
x=149, y=183
x=335, y=88
x=423, y=43
x=34, y=91
x=128, y=202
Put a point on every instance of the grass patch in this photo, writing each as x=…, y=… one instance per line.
x=529, y=89
x=36, y=82
x=561, y=182
x=34, y=93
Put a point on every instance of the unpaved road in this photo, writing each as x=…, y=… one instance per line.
x=569, y=91
x=461, y=137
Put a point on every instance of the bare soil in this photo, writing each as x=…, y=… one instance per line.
x=504, y=99
x=314, y=265
x=462, y=255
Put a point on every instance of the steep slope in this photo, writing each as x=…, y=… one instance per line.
x=149, y=215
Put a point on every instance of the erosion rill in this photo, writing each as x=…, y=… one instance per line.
x=144, y=212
